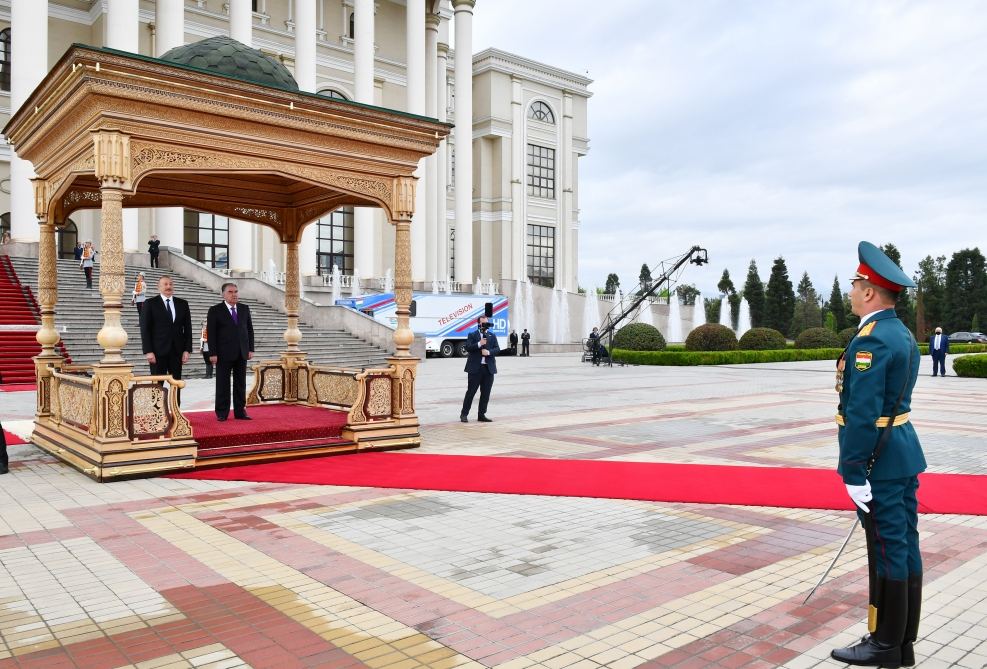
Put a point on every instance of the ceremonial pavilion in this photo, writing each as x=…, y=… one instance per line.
x=107, y=130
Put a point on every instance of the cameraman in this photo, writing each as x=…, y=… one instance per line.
x=481, y=365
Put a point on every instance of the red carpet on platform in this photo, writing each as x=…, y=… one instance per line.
x=704, y=484
x=273, y=427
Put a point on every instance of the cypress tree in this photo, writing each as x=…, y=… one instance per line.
x=836, y=305
x=965, y=301
x=779, y=299
x=754, y=293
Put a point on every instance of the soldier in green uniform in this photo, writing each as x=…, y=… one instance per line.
x=880, y=459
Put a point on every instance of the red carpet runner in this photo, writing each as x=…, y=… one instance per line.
x=705, y=484
x=273, y=427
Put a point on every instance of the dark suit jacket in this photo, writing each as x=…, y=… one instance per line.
x=943, y=345
x=473, y=360
x=228, y=341
x=161, y=336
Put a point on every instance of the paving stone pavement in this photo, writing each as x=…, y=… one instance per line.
x=182, y=573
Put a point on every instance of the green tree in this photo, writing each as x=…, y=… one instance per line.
x=836, y=306
x=754, y=294
x=779, y=299
x=725, y=286
x=905, y=306
x=687, y=293
x=644, y=278
x=966, y=290
x=613, y=283
x=931, y=282
x=806, y=313
x=712, y=308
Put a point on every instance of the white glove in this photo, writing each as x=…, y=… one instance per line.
x=860, y=494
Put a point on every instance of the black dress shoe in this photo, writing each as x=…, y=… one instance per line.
x=869, y=653
x=243, y=417
x=221, y=418
x=484, y=419
x=464, y=419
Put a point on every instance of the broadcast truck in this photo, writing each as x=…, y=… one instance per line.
x=443, y=320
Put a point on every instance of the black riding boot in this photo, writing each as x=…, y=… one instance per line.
x=883, y=647
x=911, y=622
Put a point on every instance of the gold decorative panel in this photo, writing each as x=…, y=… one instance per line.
x=303, y=384
x=115, y=395
x=272, y=386
x=408, y=390
x=339, y=389
x=76, y=404
x=148, y=414
x=379, y=397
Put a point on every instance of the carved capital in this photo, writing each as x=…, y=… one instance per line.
x=112, y=157
x=403, y=198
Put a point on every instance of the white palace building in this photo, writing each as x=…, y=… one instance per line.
x=501, y=205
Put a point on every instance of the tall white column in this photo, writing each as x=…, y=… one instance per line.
x=415, y=50
x=464, y=139
x=363, y=87
x=431, y=191
x=241, y=252
x=518, y=186
x=567, y=273
x=29, y=37
x=122, y=27
x=305, y=54
x=442, y=164
x=169, y=32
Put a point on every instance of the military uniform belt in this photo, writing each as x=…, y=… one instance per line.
x=883, y=421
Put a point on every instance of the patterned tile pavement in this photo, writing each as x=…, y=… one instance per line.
x=178, y=573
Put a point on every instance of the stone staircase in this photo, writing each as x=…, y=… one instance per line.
x=80, y=313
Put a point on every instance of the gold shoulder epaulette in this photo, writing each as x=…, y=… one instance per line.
x=867, y=329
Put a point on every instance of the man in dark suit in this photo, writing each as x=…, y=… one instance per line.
x=938, y=348
x=525, y=342
x=481, y=365
x=230, y=333
x=166, y=331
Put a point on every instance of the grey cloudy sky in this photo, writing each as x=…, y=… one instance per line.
x=759, y=128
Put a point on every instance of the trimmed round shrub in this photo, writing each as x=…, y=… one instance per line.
x=974, y=366
x=639, y=337
x=711, y=337
x=817, y=338
x=845, y=335
x=762, y=339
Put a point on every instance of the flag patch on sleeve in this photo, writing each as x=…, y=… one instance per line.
x=863, y=360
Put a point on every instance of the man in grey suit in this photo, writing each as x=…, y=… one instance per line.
x=481, y=365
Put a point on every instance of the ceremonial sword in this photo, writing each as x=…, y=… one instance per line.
x=833, y=563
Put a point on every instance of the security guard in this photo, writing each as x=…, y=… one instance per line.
x=880, y=459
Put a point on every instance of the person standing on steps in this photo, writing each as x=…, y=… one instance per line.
x=139, y=295
x=204, y=348
x=87, y=262
x=154, y=249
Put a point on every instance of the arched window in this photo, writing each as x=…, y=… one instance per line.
x=67, y=235
x=351, y=29
x=335, y=241
x=207, y=238
x=4, y=224
x=540, y=111
x=5, y=59
x=332, y=93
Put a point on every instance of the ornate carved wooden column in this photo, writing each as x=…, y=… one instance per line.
x=47, y=335
x=112, y=152
x=293, y=354
x=405, y=366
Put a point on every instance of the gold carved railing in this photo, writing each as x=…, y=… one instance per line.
x=153, y=410
x=365, y=394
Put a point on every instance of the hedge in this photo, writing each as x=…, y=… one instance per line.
x=762, y=339
x=818, y=338
x=693, y=358
x=711, y=337
x=639, y=337
x=973, y=366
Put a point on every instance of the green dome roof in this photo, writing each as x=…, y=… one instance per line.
x=224, y=55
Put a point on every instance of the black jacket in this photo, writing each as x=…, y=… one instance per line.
x=227, y=340
x=474, y=359
x=161, y=336
x=152, y=247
